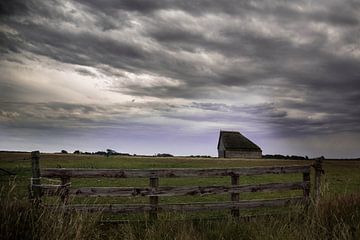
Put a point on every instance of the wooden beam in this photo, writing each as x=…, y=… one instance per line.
x=199, y=206
x=318, y=172
x=172, y=190
x=35, y=180
x=306, y=189
x=153, y=199
x=171, y=172
x=65, y=184
x=235, y=196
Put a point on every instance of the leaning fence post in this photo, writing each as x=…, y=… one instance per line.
x=235, y=212
x=318, y=172
x=35, y=179
x=154, y=200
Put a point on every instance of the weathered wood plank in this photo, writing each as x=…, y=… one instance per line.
x=65, y=183
x=306, y=189
x=173, y=191
x=318, y=172
x=171, y=172
x=35, y=180
x=202, y=206
x=235, y=196
x=153, y=199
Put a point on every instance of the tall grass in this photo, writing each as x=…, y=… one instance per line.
x=334, y=218
x=337, y=218
x=20, y=219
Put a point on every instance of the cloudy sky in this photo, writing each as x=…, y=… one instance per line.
x=145, y=77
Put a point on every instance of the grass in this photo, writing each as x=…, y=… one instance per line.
x=335, y=218
x=19, y=220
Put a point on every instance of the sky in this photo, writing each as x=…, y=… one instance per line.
x=150, y=77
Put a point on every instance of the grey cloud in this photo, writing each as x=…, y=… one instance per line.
x=85, y=72
x=11, y=7
x=269, y=52
x=9, y=44
x=337, y=119
x=69, y=47
x=64, y=114
x=268, y=109
x=143, y=6
x=136, y=5
x=336, y=13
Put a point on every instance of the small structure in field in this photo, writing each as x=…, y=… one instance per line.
x=235, y=145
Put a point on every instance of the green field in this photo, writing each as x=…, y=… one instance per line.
x=341, y=178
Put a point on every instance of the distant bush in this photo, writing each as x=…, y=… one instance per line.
x=279, y=156
x=110, y=152
x=64, y=152
x=100, y=153
x=164, y=155
x=77, y=152
x=200, y=156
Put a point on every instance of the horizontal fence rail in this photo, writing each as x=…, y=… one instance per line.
x=182, y=207
x=52, y=190
x=154, y=191
x=171, y=172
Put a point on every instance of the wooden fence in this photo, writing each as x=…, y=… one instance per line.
x=154, y=191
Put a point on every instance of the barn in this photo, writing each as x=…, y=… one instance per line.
x=233, y=144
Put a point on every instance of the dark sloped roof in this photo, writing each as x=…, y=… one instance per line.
x=236, y=141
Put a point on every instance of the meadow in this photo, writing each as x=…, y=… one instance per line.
x=336, y=217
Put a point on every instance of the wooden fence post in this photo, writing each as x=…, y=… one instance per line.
x=318, y=172
x=306, y=190
x=235, y=212
x=64, y=196
x=35, y=179
x=154, y=200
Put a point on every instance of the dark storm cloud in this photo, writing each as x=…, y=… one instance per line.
x=76, y=48
x=85, y=72
x=62, y=116
x=282, y=51
x=11, y=7
x=143, y=6
x=9, y=44
x=268, y=110
x=339, y=119
x=338, y=13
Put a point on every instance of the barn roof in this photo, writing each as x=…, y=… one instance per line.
x=233, y=140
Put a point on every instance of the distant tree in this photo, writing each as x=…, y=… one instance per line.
x=164, y=155
x=77, y=152
x=110, y=152
x=64, y=152
x=100, y=153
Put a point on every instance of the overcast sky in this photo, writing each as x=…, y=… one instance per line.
x=146, y=77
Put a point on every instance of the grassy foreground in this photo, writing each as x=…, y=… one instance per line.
x=336, y=217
